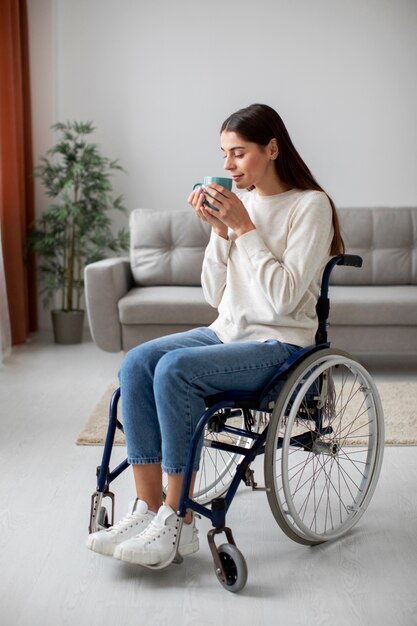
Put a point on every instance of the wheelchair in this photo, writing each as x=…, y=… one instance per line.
x=319, y=424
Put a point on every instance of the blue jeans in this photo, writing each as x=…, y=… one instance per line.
x=164, y=382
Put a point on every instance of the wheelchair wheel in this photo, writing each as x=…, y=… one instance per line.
x=324, y=447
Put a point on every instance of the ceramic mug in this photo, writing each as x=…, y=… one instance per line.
x=224, y=182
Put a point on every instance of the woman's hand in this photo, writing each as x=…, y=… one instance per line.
x=230, y=211
x=196, y=199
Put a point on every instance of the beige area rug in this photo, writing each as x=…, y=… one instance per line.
x=399, y=401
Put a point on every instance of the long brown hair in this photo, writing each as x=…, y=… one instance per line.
x=259, y=123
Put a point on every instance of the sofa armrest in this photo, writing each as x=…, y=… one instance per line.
x=105, y=283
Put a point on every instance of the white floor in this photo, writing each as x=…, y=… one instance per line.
x=47, y=576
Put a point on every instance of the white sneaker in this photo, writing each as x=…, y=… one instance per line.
x=105, y=541
x=156, y=542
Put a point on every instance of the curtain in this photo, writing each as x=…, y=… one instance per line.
x=16, y=167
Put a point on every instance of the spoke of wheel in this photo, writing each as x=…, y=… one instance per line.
x=344, y=474
x=335, y=490
x=312, y=489
x=355, y=462
x=326, y=487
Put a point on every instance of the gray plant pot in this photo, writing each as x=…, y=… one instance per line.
x=68, y=326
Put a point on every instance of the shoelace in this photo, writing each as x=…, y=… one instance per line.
x=153, y=530
x=125, y=520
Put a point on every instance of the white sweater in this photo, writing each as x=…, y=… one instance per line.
x=265, y=283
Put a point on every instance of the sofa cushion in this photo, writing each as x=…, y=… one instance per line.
x=362, y=305
x=167, y=247
x=166, y=305
x=386, y=239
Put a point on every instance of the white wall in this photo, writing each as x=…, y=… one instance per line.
x=158, y=77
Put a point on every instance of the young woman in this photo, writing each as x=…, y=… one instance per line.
x=262, y=270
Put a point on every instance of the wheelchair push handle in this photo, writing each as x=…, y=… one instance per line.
x=323, y=303
x=352, y=260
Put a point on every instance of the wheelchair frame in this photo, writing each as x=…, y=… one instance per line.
x=297, y=393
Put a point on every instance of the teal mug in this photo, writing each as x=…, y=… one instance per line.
x=224, y=182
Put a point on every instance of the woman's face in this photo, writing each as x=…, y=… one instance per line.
x=248, y=163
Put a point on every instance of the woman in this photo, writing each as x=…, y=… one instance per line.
x=262, y=269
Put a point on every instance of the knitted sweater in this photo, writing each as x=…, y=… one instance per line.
x=266, y=282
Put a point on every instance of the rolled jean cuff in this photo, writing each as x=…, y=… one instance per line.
x=150, y=461
x=178, y=470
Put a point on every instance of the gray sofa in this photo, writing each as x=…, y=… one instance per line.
x=157, y=290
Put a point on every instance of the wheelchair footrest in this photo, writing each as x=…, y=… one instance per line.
x=98, y=514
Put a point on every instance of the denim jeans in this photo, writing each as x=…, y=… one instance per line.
x=164, y=382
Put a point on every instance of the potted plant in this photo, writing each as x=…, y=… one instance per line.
x=76, y=228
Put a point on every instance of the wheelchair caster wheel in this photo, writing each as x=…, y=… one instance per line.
x=235, y=571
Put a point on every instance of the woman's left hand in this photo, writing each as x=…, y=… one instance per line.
x=230, y=209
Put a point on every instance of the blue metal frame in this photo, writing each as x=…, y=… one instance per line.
x=104, y=475
x=231, y=400
x=248, y=454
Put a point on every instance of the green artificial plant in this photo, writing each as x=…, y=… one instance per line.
x=76, y=228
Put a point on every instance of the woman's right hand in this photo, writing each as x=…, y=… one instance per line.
x=196, y=200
